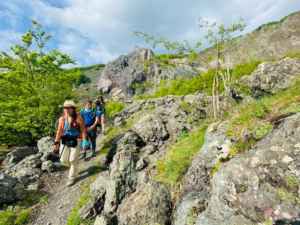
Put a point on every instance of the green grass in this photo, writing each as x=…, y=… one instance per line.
x=14, y=216
x=202, y=82
x=255, y=117
x=113, y=107
x=293, y=54
x=179, y=156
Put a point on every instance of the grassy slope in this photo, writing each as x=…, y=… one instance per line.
x=201, y=83
x=177, y=160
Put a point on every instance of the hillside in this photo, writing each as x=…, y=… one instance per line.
x=268, y=42
x=166, y=158
x=144, y=72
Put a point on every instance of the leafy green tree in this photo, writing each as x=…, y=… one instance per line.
x=33, y=84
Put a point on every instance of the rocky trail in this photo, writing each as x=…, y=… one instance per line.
x=62, y=199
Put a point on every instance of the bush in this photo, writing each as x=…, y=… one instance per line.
x=32, y=88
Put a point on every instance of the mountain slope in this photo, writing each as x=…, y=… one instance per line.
x=268, y=42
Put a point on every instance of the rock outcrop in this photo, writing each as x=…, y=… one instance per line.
x=122, y=76
x=123, y=72
x=257, y=186
x=271, y=77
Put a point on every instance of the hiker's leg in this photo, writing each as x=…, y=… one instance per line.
x=64, y=153
x=83, y=151
x=93, y=143
x=74, y=155
x=93, y=137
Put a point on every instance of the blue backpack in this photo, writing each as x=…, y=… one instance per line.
x=100, y=110
x=88, y=117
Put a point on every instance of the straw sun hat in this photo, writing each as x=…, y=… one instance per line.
x=69, y=103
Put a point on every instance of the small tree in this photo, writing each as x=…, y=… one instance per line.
x=174, y=47
x=220, y=37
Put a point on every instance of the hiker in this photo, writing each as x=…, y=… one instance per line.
x=70, y=131
x=100, y=112
x=91, y=120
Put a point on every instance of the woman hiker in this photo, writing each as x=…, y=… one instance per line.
x=70, y=131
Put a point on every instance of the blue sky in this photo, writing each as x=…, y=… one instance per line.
x=97, y=31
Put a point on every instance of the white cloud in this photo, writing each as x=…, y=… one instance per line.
x=8, y=38
x=96, y=31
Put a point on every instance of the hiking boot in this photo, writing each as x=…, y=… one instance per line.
x=70, y=182
x=94, y=154
x=83, y=156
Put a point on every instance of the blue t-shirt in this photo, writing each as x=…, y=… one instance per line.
x=88, y=116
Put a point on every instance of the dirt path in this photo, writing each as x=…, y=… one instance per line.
x=62, y=199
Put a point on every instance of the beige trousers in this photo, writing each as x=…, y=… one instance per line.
x=70, y=157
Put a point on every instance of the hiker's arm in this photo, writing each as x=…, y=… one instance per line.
x=59, y=131
x=95, y=123
x=102, y=122
x=82, y=128
x=59, y=134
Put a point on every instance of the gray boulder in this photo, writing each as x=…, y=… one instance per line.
x=17, y=154
x=150, y=204
x=45, y=147
x=48, y=166
x=28, y=170
x=152, y=129
x=270, y=77
x=11, y=189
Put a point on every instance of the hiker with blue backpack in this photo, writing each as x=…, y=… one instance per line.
x=70, y=131
x=100, y=113
x=91, y=120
